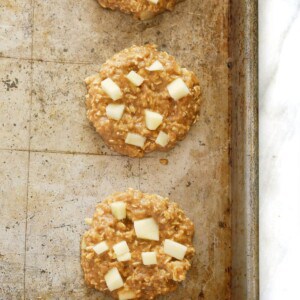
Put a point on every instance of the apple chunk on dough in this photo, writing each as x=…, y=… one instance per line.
x=178, y=89
x=111, y=89
x=126, y=295
x=174, y=249
x=115, y=111
x=147, y=229
x=118, y=210
x=100, y=248
x=135, y=140
x=124, y=257
x=121, y=248
x=156, y=66
x=162, y=139
x=135, y=78
x=149, y=258
x=153, y=119
x=113, y=279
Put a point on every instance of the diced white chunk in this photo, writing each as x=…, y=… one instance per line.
x=153, y=119
x=126, y=295
x=153, y=1
x=149, y=258
x=135, y=78
x=178, y=89
x=156, y=66
x=113, y=279
x=118, y=210
x=135, y=140
x=174, y=249
x=88, y=221
x=124, y=257
x=121, y=248
x=115, y=111
x=100, y=248
x=147, y=229
x=111, y=89
x=162, y=139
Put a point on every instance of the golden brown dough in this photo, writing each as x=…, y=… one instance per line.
x=145, y=281
x=152, y=94
x=141, y=9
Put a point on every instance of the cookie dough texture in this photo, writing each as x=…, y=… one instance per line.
x=141, y=9
x=149, y=281
x=152, y=94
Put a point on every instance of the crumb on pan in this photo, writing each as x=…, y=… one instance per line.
x=164, y=161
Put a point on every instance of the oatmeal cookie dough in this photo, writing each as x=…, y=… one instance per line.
x=141, y=9
x=142, y=101
x=138, y=246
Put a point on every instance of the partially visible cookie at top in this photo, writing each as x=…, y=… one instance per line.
x=141, y=9
x=142, y=101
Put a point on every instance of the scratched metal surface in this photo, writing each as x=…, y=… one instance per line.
x=54, y=168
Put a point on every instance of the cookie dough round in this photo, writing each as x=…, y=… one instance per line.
x=133, y=82
x=140, y=276
x=141, y=9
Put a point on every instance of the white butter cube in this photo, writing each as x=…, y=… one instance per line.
x=111, y=89
x=178, y=89
x=156, y=66
x=118, y=210
x=124, y=257
x=135, y=78
x=115, y=111
x=174, y=249
x=147, y=229
x=162, y=139
x=149, y=258
x=121, y=248
x=153, y=1
x=135, y=140
x=113, y=279
x=153, y=119
x=126, y=295
x=100, y=248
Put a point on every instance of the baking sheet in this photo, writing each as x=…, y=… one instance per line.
x=243, y=52
x=54, y=168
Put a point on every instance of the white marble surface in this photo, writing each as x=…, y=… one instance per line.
x=279, y=149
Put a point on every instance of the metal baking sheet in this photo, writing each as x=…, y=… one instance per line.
x=243, y=53
x=54, y=168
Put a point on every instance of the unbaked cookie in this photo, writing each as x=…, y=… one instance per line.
x=141, y=9
x=138, y=246
x=142, y=101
